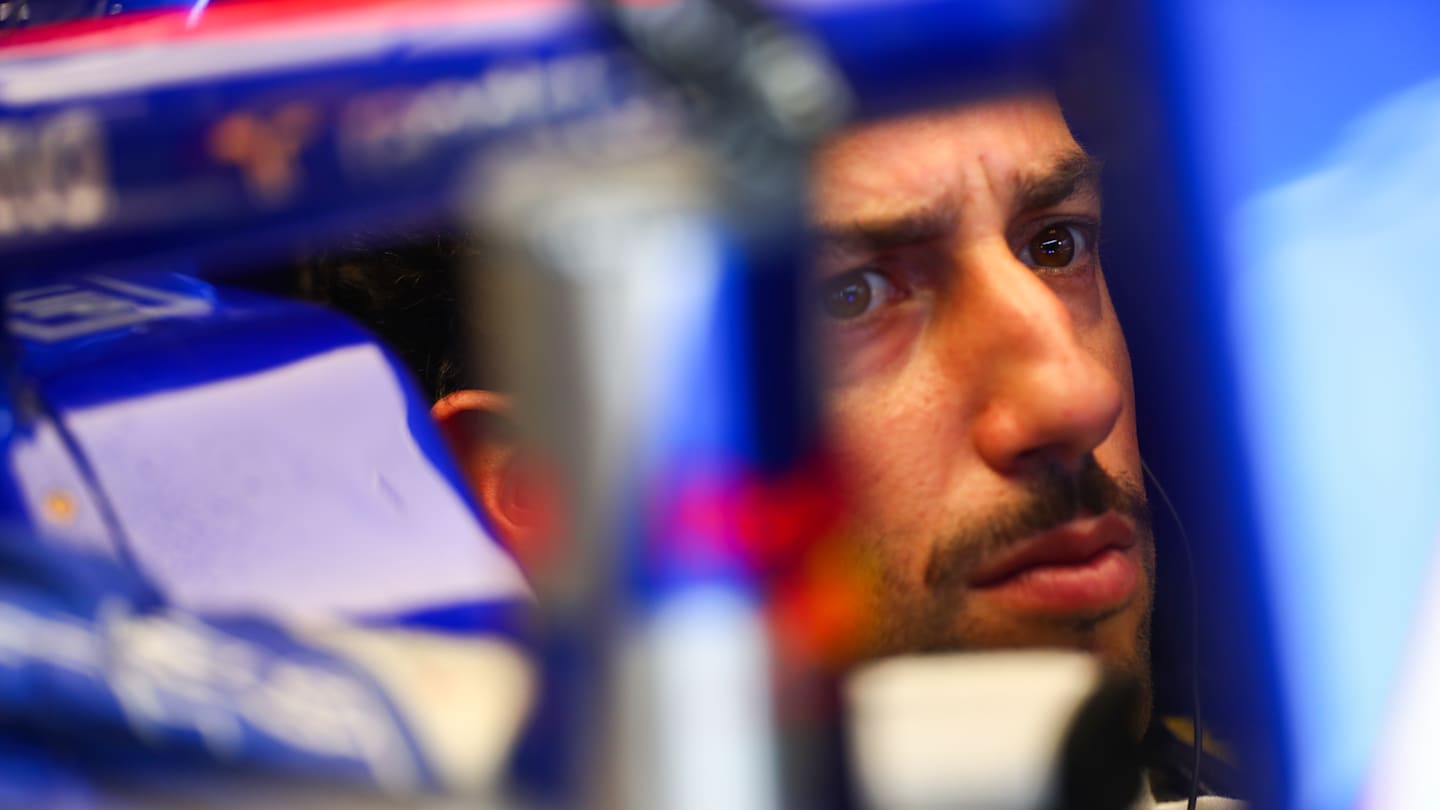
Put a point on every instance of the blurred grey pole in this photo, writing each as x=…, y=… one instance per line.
x=608, y=259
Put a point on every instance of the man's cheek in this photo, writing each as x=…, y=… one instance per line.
x=894, y=553
x=871, y=354
x=894, y=455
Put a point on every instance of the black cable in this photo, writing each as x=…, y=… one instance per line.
x=1199, y=730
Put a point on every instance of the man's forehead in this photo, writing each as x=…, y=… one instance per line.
x=935, y=160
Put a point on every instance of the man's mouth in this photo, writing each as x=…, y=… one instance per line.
x=1086, y=566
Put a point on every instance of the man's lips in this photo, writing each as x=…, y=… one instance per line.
x=1087, y=565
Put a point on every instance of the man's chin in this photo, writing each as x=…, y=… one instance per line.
x=1116, y=634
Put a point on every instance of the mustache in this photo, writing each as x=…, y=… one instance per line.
x=1056, y=497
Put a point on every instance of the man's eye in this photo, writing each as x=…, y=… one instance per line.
x=855, y=293
x=1055, y=246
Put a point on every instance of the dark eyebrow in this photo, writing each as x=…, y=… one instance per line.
x=1074, y=173
x=923, y=224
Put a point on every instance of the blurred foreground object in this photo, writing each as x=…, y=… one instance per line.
x=1001, y=731
x=654, y=301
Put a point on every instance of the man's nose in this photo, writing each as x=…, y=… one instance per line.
x=1045, y=398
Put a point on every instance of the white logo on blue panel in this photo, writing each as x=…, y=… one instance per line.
x=93, y=304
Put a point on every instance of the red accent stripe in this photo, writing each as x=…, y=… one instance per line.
x=265, y=20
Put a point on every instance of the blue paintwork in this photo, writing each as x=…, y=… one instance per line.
x=155, y=186
x=235, y=445
x=194, y=695
x=1277, y=297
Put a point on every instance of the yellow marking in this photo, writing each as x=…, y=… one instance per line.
x=60, y=507
x=1184, y=731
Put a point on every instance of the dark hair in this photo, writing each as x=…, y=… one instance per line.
x=406, y=290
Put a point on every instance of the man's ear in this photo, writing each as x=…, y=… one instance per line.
x=511, y=481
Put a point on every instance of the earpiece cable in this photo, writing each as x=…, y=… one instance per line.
x=1199, y=730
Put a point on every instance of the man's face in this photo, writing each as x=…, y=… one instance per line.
x=979, y=388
